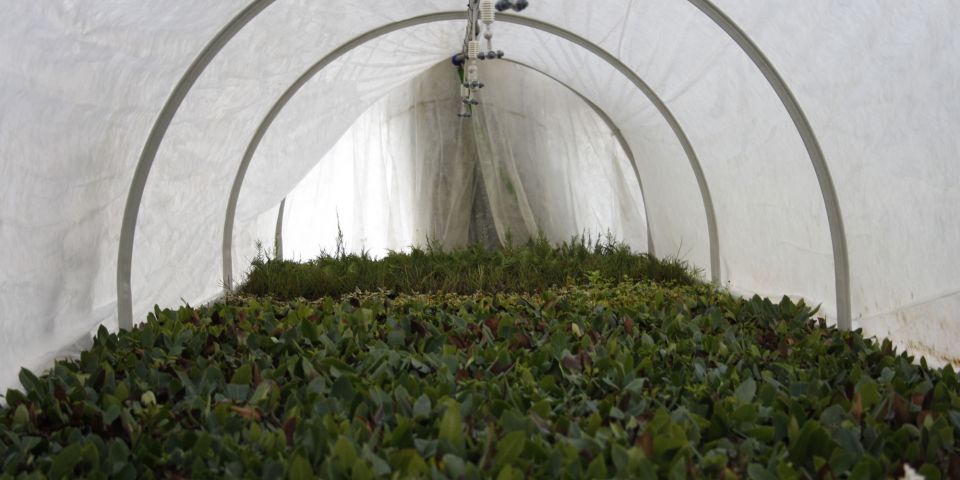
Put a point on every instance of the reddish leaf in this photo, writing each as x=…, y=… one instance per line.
x=501, y=367
x=256, y=375
x=953, y=471
x=247, y=413
x=572, y=363
x=585, y=359
x=857, y=409
x=367, y=422
x=289, y=427
x=900, y=408
x=645, y=442
x=549, y=305
x=493, y=323
x=521, y=340
x=628, y=325
x=458, y=342
x=418, y=328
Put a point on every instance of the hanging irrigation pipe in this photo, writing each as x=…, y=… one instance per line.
x=479, y=12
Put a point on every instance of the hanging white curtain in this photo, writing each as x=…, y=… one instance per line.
x=410, y=171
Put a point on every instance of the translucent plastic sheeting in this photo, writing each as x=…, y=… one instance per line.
x=80, y=86
x=197, y=163
x=330, y=103
x=772, y=223
x=319, y=117
x=673, y=200
x=400, y=175
x=409, y=170
x=550, y=164
x=259, y=233
x=879, y=81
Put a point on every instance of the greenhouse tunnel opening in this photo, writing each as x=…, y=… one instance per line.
x=578, y=42
x=521, y=172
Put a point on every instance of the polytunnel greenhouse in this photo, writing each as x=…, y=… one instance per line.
x=480, y=239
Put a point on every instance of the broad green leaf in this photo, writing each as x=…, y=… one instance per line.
x=345, y=452
x=343, y=389
x=510, y=473
x=454, y=466
x=408, y=463
x=299, y=469
x=451, y=426
x=597, y=468
x=148, y=399
x=111, y=413
x=65, y=461
x=930, y=472
x=510, y=447
x=379, y=466
x=260, y=394
x=421, y=408
x=21, y=416
x=361, y=471
x=635, y=386
x=243, y=375
x=755, y=471
x=746, y=391
x=869, y=393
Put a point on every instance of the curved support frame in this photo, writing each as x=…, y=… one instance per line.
x=452, y=16
x=624, y=145
x=131, y=210
x=838, y=236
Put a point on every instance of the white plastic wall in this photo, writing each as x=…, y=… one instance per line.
x=83, y=82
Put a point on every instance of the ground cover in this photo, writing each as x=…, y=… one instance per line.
x=602, y=378
x=529, y=267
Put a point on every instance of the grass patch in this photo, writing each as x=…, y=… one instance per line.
x=532, y=267
x=627, y=380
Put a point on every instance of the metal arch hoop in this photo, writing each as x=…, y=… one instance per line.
x=131, y=210
x=452, y=16
x=622, y=141
x=838, y=236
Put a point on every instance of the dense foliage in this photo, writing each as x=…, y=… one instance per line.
x=530, y=267
x=627, y=380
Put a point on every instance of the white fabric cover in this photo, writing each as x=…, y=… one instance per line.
x=408, y=170
x=83, y=82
